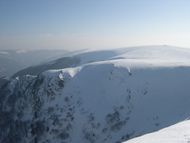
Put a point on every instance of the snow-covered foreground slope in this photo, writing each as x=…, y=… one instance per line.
x=179, y=133
x=103, y=101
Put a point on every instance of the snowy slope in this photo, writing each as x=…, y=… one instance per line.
x=102, y=100
x=179, y=133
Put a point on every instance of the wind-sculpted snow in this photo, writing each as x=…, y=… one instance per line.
x=100, y=102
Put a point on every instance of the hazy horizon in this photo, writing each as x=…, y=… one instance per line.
x=84, y=24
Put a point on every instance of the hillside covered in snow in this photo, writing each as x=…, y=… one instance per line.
x=106, y=96
x=178, y=133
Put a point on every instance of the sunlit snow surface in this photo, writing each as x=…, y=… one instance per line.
x=178, y=133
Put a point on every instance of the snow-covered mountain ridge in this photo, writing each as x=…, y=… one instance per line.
x=101, y=100
x=153, y=54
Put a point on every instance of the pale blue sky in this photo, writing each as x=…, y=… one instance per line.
x=93, y=23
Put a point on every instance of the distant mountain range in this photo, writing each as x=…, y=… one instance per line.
x=11, y=61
